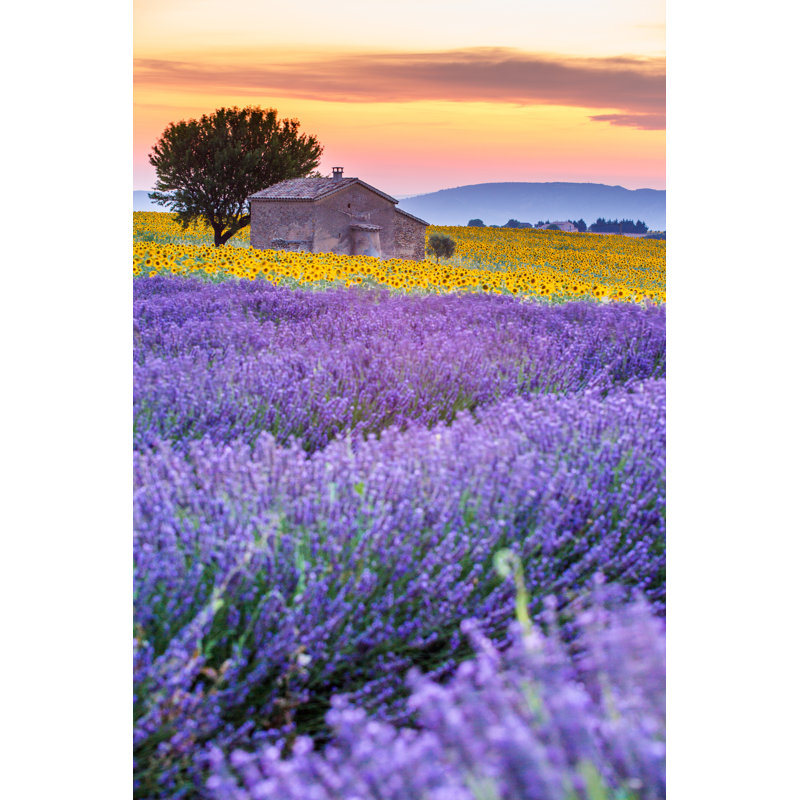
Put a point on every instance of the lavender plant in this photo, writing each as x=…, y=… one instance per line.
x=543, y=720
x=322, y=481
x=233, y=360
x=343, y=570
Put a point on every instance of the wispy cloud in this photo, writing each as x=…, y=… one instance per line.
x=645, y=122
x=635, y=88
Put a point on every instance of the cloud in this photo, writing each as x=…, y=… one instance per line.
x=645, y=122
x=633, y=87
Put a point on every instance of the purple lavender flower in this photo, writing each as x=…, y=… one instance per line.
x=322, y=481
x=533, y=723
x=233, y=360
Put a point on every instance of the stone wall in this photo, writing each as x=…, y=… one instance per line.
x=334, y=214
x=281, y=225
x=409, y=238
x=366, y=243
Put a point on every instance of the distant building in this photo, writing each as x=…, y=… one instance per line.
x=562, y=226
x=334, y=215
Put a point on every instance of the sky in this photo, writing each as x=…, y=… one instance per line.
x=418, y=96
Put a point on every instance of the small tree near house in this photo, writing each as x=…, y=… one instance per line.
x=441, y=245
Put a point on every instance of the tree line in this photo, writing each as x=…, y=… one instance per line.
x=618, y=226
x=601, y=226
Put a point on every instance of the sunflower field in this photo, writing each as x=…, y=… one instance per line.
x=544, y=265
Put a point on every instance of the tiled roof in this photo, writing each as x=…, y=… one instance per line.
x=411, y=216
x=311, y=189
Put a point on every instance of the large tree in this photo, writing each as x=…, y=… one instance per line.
x=207, y=168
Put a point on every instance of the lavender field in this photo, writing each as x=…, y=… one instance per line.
x=326, y=484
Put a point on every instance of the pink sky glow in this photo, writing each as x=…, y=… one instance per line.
x=564, y=100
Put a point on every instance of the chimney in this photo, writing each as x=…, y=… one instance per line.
x=337, y=173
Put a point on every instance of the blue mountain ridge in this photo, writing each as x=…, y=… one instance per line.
x=496, y=203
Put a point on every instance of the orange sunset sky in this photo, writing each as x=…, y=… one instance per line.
x=420, y=95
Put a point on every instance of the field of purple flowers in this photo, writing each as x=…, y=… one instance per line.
x=323, y=481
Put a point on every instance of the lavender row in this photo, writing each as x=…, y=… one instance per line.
x=233, y=360
x=267, y=581
x=537, y=722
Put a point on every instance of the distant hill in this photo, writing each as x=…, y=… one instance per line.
x=496, y=203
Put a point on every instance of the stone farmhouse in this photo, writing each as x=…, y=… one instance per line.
x=564, y=225
x=334, y=215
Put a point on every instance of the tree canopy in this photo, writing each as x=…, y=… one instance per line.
x=207, y=168
x=441, y=245
x=618, y=226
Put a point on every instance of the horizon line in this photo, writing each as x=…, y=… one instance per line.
x=490, y=183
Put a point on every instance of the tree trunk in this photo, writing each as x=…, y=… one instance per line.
x=227, y=235
x=221, y=238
